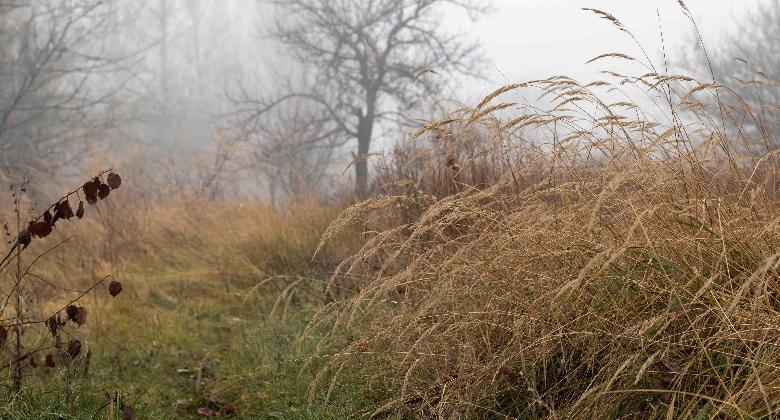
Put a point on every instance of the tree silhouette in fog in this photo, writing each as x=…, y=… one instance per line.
x=370, y=61
x=54, y=97
x=747, y=59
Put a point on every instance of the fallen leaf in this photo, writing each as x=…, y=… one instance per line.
x=673, y=366
x=127, y=412
x=205, y=412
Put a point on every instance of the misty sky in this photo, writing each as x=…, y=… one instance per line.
x=529, y=39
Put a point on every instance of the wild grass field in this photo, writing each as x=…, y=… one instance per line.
x=191, y=334
x=590, y=259
x=625, y=269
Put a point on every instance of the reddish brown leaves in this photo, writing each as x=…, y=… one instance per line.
x=3, y=335
x=62, y=210
x=77, y=314
x=93, y=190
x=508, y=371
x=103, y=191
x=71, y=311
x=81, y=316
x=33, y=363
x=50, y=361
x=114, y=288
x=113, y=180
x=40, y=229
x=53, y=325
x=90, y=189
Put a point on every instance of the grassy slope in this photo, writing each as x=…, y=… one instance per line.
x=190, y=330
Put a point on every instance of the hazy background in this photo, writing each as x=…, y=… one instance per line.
x=523, y=44
x=182, y=88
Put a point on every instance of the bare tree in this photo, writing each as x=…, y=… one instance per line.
x=177, y=91
x=294, y=149
x=747, y=60
x=370, y=61
x=53, y=88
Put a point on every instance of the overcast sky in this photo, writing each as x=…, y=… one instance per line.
x=529, y=39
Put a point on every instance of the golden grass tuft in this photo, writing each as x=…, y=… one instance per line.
x=586, y=263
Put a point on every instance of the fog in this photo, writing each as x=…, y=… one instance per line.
x=538, y=38
x=335, y=209
x=192, y=88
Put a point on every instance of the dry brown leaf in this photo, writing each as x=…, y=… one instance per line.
x=113, y=180
x=77, y=314
x=103, y=191
x=40, y=229
x=90, y=190
x=114, y=288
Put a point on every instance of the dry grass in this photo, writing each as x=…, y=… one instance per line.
x=580, y=261
x=153, y=227
x=214, y=286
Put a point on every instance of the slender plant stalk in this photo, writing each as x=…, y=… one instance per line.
x=17, y=372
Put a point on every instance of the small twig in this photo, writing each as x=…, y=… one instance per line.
x=24, y=357
x=76, y=299
x=94, y=286
x=16, y=284
x=40, y=278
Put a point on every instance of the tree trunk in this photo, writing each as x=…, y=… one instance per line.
x=361, y=165
x=365, y=132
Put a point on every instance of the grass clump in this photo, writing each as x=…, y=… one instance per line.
x=584, y=260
